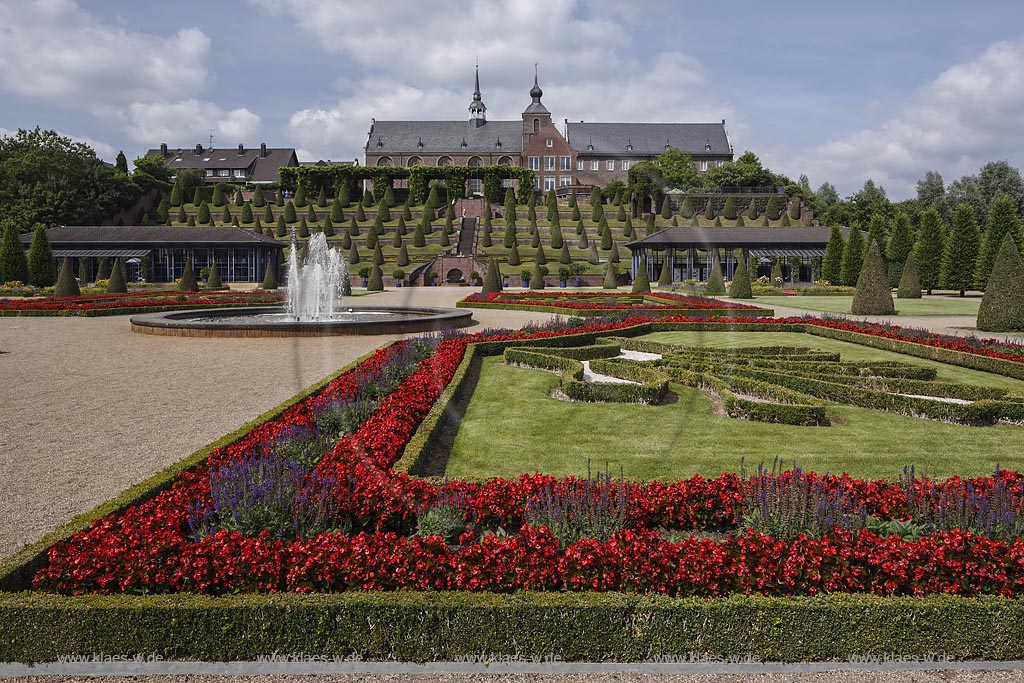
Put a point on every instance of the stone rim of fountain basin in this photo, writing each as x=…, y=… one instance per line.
x=184, y=324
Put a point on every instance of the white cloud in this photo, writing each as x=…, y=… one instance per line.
x=178, y=123
x=433, y=46
x=969, y=114
x=55, y=52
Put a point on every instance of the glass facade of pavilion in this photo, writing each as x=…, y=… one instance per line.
x=690, y=252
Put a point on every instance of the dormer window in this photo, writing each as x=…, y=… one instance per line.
x=497, y=143
x=549, y=142
x=590, y=145
x=667, y=145
x=380, y=142
x=707, y=145
x=464, y=145
x=420, y=143
x=629, y=145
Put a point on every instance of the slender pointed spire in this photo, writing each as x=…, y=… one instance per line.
x=477, y=109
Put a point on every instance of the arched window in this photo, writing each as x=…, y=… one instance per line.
x=505, y=161
x=415, y=161
x=444, y=161
x=536, y=125
x=475, y=161
x=384, y=161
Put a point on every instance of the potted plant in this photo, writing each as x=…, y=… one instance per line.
x=364, y=275
x=432, y=278
x=524, y=277
x=474, y=277
x=563, y=275
x=576, y=269
x=398, y=276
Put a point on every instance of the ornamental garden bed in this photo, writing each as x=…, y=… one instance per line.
x=305, y=532
x=595, y=303
x=133, y=303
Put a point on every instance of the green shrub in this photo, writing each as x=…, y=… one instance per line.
x=1002, y=220
x=361, y=214
x=300, y=196
x=536, y=277
x=67, y=285
x=774, y=208
x=709, y=210
x=716, y=283
x=376, y=280
x=403, y=256
x=686, y=210
x=642, y=282
x=853, y=257
x=203, y=215
x=1002, y=306
x=832, y=262
x=258, y=200
x=188, y=279
x=213, y=281
x=729, y=211
x=665, y=276
x=492, y=280
x=282, y=229
x=445, y=520
x=246, y=213
x=218, y=195
x=353, y=255
x=740, y=288
x=42, y=270
x=873, y=295
x=513, y=255
x=910, y=285
x=610, y=277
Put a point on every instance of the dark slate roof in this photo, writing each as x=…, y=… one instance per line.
x=260, y=169
x=536, y=108
x=648, y=138
x=445, y=136
x=151, y=234
x=738, y=237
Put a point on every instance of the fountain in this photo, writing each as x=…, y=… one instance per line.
x=313, y=307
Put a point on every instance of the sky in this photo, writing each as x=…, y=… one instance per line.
x=841, y=92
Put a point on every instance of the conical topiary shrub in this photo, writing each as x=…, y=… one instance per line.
x=536, y=278
x=378, y=256
x=375, y=283
x=910, y=283
x=213, y=281
x=492, y=279
x=873, y=296
x=610, y=277
x=403, y=256
x=1002, y=306
x=353, y=255
x=541, y=257
x=67, y=285
x=642, y=281
x=740, y=287
x=116, y=284
x=740, y=223
x=564, y=257
x=614, y=255
x=346, y=240
x=584, y=242
x=188, y=279
x=716, y=283
x=269, y=277
x=665, y=276
x=592, y=257
x=513, y=255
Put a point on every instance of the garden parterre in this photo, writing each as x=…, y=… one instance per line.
x=364, y=513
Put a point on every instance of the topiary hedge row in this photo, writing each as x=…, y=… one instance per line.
x=426, y=626
x=973, y=361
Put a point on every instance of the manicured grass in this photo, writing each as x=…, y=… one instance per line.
x=513, y=426
x=842, y=304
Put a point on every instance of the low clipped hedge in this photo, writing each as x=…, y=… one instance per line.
x=973, y=361
x=652, y=312
x=127, y=310
x=425, y=626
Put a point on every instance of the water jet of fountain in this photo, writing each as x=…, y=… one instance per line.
x=314, y=286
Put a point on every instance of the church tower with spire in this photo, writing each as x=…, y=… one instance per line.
x=477, y=110
x=536, y=116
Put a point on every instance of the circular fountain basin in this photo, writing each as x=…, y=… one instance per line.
x=273, y=321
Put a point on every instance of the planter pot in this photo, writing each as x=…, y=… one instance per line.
x=365, y=282
x=525, y=283
x=398, y=284
x=577, y=283
x=561, y=283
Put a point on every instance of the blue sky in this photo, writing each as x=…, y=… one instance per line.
x=840, y=91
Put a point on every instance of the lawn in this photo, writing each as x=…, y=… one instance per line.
x=511, y=407
x=842, y=304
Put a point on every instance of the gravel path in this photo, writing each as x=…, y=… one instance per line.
x=91, y=408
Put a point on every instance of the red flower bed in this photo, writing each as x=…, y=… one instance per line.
x=147, y=548
x=594, y=301
x=139, y=300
